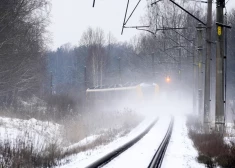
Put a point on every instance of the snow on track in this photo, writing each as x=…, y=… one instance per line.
x=180, y=152
x=83, y=159
x=141, y=153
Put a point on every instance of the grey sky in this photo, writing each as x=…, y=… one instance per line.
x=70, y=18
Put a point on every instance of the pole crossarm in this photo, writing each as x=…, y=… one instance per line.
x=153, y=33
x=147, y=31
x=223, y=25
x=140, y=28
x=171, y=28
x=136, y=27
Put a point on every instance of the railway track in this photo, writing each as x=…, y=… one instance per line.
x=157, y=158
x=159, y=155
x=107, y=158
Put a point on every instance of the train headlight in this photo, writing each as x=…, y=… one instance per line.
x=168, y=79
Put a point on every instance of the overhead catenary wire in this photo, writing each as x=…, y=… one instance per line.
x=154, y=3
x=200, y=1
x=154, y=33
x=179, y=44
x=187, y=12
x=189, y=40
x=227, y=1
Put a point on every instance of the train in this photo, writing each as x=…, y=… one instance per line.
x=128, y=95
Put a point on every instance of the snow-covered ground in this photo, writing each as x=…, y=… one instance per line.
x=141, y=153
x=85, y=158
x=180, y=151
x=31, y=132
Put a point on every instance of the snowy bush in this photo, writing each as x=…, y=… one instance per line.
x=29, y=143
x=213, y=149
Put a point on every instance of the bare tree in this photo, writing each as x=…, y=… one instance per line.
x=94, y=40
x=22, y=45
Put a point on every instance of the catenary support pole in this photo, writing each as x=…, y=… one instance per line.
x=219, y=107
x=119, y=68
x=85, y=78
x=153, y=67
x=195, y=83
x=225, y=64
x=207, y=67
x=51, y=84
x=200, y=71
x=180, y=71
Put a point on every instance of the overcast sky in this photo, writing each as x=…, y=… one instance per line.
x=70, y=18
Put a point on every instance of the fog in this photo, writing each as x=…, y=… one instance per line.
x=72, y=85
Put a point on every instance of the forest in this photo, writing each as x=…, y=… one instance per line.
x=46, y=119
x=30, y=70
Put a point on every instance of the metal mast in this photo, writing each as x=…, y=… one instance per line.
x=219, y=108
x=207, y=67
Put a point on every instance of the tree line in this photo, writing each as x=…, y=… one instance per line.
x=100, y=60
x=28, y=68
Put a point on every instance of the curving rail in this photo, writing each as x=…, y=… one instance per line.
x=159, y=155
x=107, y=158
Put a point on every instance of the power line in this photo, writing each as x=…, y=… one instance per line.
x=188, y=12
x=189, y=40
x=155, y=2
x=179, y=45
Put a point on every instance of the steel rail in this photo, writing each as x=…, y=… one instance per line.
x=156, y=162
x=110, y=156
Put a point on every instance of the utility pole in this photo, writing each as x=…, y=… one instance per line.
x=179, y=65
x=195, y=84
x=85, y=104
x=85, y=78
x=225, y=63
x=119, y=68
x=51, y=84
x=179, y=72
x=153, y=68
x=219, y=108
x=207, y=67
x=200, y=71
